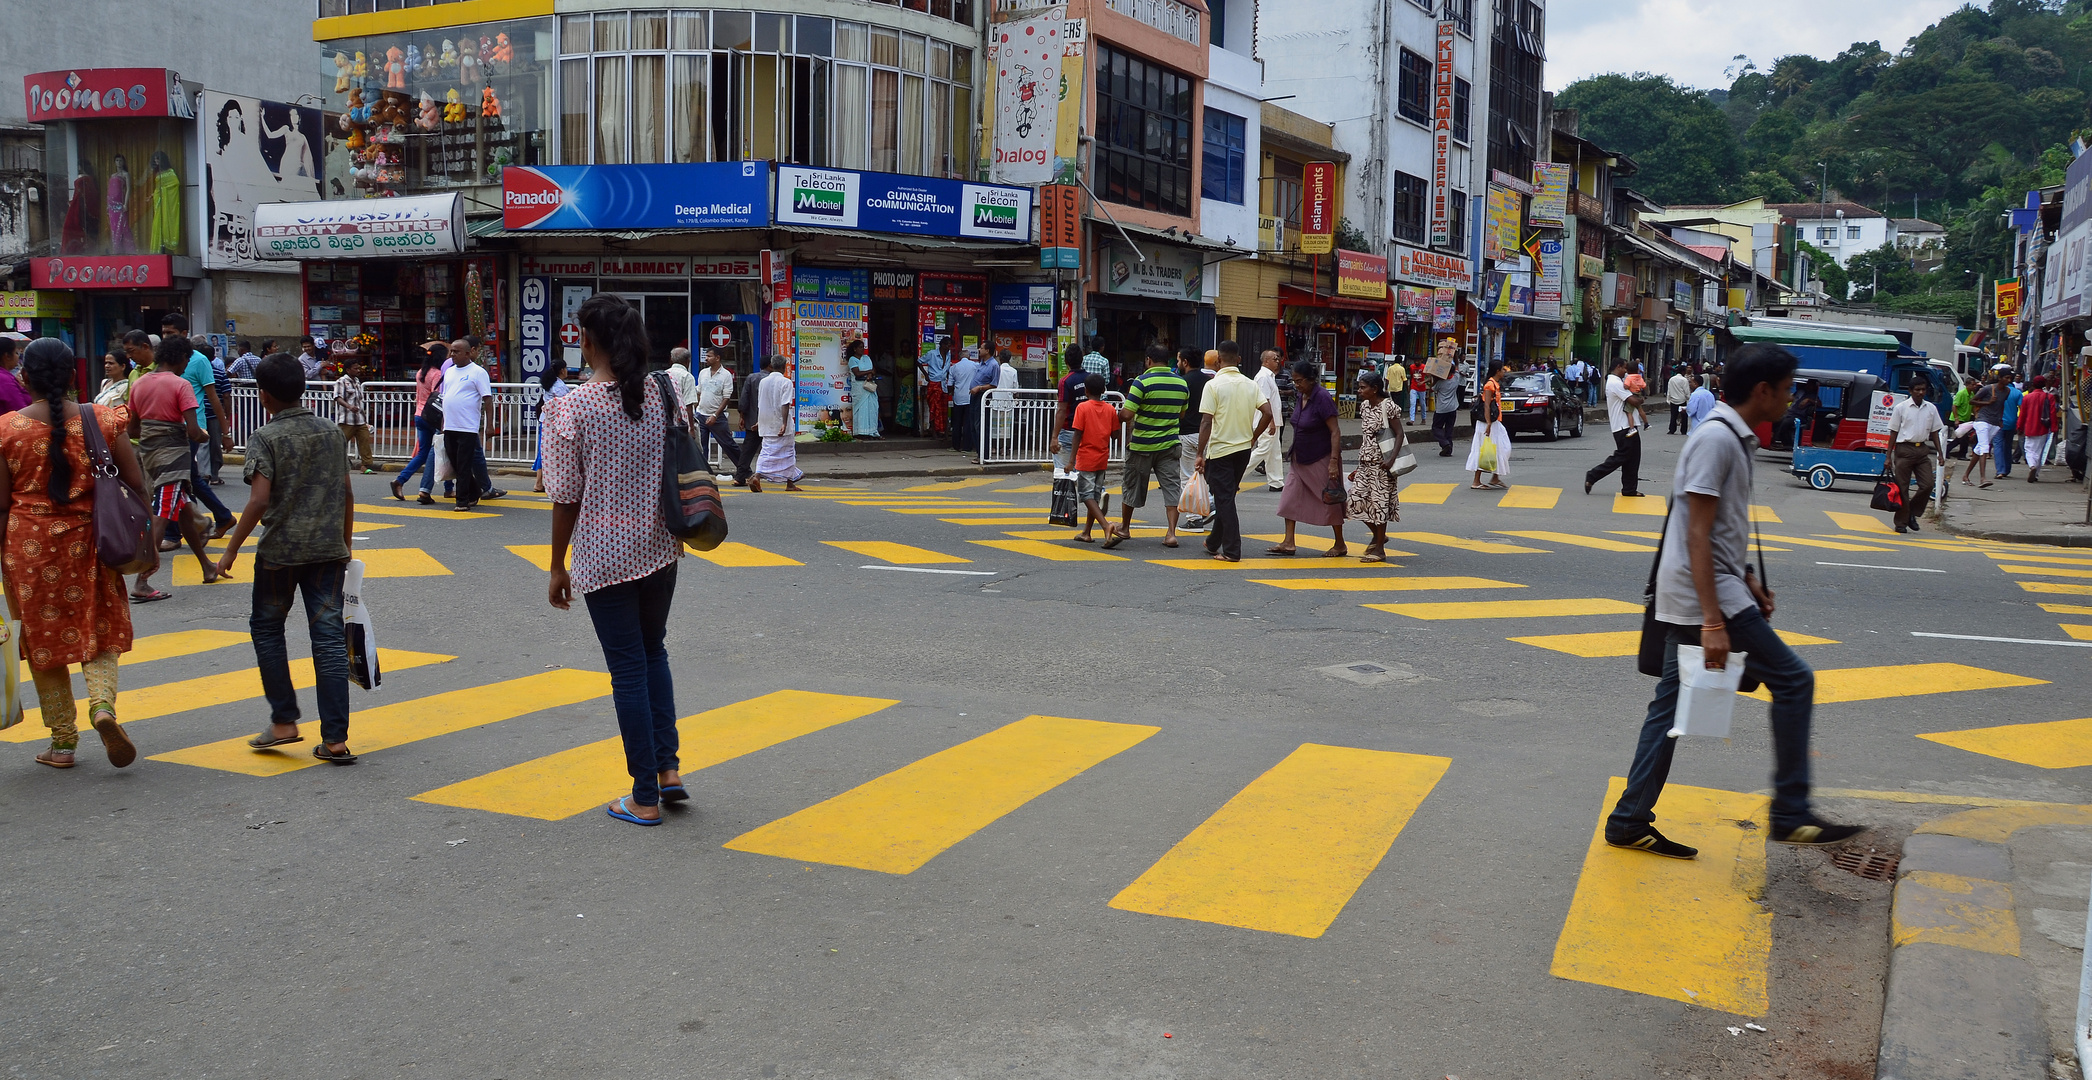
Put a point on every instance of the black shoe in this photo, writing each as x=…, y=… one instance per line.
x=1914, y=525
x=497, y=493
x=1633, y=494
x=1445, y=453
x=1588, y=484
x=1815, y=833
x=425, y=500
x=1654, y=843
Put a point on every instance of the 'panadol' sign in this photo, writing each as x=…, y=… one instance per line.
x=893, y=203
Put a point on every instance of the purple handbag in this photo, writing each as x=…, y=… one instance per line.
x=122, y=522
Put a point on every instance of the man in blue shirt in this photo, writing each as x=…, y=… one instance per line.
x=204, y=380
x=960, y=380
x=1699, y=403
x=2009, y=436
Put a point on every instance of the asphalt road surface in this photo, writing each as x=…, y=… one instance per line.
x=971, y=800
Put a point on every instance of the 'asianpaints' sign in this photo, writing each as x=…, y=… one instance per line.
x=361, y=228
x=716, y=195
x=1432, y=268
x=1361, y=275
x=102, y=272
x=103, y=94
x=893, y=203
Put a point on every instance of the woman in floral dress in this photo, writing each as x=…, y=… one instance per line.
x=1373, y=499
x=73, y=608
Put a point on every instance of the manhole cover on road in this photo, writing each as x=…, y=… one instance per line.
x=1498, y=707
x=1372, y=672
x=1870, y=864
x=1366, y=669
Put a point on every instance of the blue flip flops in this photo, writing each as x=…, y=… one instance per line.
x=618, y=811
x=674, y=793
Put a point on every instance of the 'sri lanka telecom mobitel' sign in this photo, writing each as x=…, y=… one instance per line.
x=893, y=203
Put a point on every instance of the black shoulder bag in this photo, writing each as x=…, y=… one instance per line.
x=689, y=491
x=1649, y=654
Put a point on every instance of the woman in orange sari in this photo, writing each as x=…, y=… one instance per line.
x=73, y=609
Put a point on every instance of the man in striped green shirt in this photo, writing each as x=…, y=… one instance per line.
x=1154, y=403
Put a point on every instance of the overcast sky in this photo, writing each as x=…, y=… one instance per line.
x=1692, y=41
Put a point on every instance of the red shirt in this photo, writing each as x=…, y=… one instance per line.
x=162, y=395
x=1095, y=422
x=2037, y=413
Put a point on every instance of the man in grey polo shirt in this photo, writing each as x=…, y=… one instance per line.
x=1708, y=595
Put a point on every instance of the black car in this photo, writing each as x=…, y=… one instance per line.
x=1539, y=403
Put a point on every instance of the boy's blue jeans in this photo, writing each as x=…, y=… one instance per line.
x=274, y=589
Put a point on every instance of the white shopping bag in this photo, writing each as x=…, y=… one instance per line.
x=361, y=633
x=1706, y=699
x=440, y=466
x=10, y=674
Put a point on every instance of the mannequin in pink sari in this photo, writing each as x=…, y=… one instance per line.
x=121, y=242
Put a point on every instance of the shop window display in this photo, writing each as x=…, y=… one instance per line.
x=120, y=186
x=433, y=110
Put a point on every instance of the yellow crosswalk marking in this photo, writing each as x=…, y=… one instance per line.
x=1576, y=541
x=186, y=695
x=1905, y=680
x=1052, y=552
x=405, y=722
x=1859, y=523
x=2066, y=609
x=1033, y=489
x=1828, y=545
x=733, y=554
x=2076, y=630
x=1524, y=497
x=538, y=555
x=973, y=510
x=2055, y=588
x=1140, y=532
x=1427, y=494
x=904, y=554
x=566, y=783
x=1273, y=562
x=2014, y=556
x=1485, y=547
x=902, y=820
x=1035, y=517
x=180, y=643
x=958, y=485
x=1385, y=583
x=1647, y=504
x=1658, y=536
x=1764, y=513
x=418, y=512
x=1608, y=643
x=1511, y=609
x=2058, y=744
x=1921, y=545
x=2048, y=571
x=377, y=563
x=1717, y=950
x=1289, y=851
x=901, y=504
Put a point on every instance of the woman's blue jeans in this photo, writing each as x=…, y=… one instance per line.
x=421, y=458
x=631, y=620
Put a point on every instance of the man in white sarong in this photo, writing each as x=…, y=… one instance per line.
x=774, y=404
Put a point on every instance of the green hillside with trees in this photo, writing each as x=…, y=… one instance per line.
x=1956, y=127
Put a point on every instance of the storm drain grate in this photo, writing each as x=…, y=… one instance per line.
x=1872, y=865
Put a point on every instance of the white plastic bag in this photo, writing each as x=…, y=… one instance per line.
x=358, y=630
x=443, y=472
x=1706, y=699
x=1197, y=500
x=10, y=678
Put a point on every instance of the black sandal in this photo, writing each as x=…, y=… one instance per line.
x=345, y=757
x=264, y=740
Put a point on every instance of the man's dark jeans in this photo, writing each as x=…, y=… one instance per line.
x=466, y=464
x=1224, y=479
x=1793, y=686
x=1626, y=457
x=219, y=514
x=751, y=448
x=274, y=589
x=1678, y=420
x=631, y=620
x=1442, y=430
x=718, y=430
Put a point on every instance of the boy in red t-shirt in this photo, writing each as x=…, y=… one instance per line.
x=1094, y=423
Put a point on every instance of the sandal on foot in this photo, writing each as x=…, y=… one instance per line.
x=50, y=757
x=114, y=742
x=1336, y=553
x=1114, y=539
x=618, y=811
x=1170, y=543
x=397, y=493
x=265, y=740
x=1280, y=550
x=147, y=598
x=672, y=793
x=1372, y=556
x=344, y=757
x=1084, y=539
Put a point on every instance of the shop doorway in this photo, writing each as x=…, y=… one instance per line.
x=667, y=317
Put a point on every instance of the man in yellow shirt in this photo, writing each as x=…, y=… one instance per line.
x=1233, y=415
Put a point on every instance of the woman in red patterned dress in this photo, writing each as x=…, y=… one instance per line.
x=73, y=609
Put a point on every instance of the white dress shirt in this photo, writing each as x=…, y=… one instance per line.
x=773, y=402
x=712, y=390
x=1914, y=422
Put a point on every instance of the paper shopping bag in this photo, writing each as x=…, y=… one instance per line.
x=357, y=627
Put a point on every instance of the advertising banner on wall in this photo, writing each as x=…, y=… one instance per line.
x=1166, y=275
x=1445, y=310
x=1500, y=237
x=1067, y=139
x=1433, y=268
x=102, y=272
x=534, y=326
x=1442, y=81
x=1318, y=208
x=715, y=195
x=1026, y=55
x=893, y=203
x=822, y=329
x=1361, y=276
x=1025, y=306
x=1547, y=286
x=1550, y=195
x=253, y=152
x=1060, y=227
x=361, y=228
x=103, y=94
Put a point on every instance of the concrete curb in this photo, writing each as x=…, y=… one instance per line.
x=1961, y=1003
x=2057, y=535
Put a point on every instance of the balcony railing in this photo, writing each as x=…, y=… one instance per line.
x=1172, y=18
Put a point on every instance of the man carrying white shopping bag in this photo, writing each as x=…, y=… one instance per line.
x=1707, y=595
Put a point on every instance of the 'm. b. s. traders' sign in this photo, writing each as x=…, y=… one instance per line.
x=718, y=195
x=892, y=203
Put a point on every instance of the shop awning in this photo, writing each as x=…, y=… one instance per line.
x=1166, y=236
x=1299, y=297
x=1826, y=339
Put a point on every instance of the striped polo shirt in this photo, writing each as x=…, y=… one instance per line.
x=1158, y=397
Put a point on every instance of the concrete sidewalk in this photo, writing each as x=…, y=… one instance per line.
x=2014, y=511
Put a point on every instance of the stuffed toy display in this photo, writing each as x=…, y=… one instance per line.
x=454, y=112
x=431, y=113
x=395, y=69
x=489, y=105
x=342, y=67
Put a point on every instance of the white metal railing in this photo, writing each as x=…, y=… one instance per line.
x=2082, y=1035
x=388, y=407
x=1018, y=426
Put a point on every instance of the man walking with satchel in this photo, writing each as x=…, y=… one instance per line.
x=1706, y=594
x=1914, y=439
